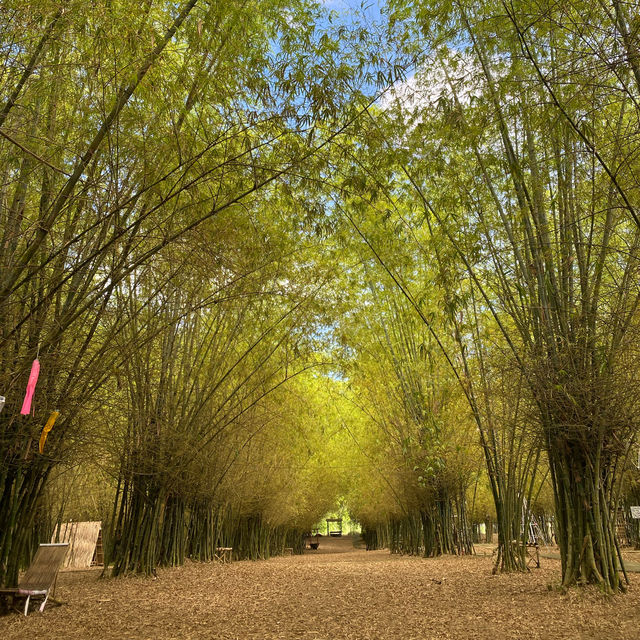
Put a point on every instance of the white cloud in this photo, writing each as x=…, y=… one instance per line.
x=425, y=88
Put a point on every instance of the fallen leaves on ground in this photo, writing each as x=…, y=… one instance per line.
x=337, y=592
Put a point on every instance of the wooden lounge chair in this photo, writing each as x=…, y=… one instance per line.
x=40, y=578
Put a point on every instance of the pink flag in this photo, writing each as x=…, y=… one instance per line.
x=31, y=387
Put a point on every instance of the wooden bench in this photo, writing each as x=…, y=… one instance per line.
x=39, y=581
x=224, y=554
x=532, y=553
x=288, y=551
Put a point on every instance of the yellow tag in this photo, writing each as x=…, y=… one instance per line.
x=47, y=427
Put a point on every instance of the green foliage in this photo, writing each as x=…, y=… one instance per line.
x=259, y=295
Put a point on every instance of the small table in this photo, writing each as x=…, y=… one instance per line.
x=224, y=554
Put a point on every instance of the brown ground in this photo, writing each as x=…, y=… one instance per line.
x=337, y=592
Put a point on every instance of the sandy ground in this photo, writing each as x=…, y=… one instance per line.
x=337, y=592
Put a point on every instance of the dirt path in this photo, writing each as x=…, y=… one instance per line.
x=338, y=592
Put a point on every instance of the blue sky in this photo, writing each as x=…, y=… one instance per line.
x=371, y=7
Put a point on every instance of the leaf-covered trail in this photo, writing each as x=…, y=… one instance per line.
x=339, y=592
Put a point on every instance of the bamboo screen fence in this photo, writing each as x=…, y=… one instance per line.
x=82, y=538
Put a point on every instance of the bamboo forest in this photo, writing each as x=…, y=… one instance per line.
x=319, y=319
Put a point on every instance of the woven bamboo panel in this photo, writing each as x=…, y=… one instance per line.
x=82, y=538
